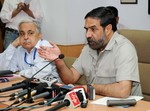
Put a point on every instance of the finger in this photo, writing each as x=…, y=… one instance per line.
x=53, y=44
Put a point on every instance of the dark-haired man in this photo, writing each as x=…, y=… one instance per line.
x=109, y=60
x=115, y=12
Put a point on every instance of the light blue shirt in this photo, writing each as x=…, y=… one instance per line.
x=6, y=56
x=30, y=63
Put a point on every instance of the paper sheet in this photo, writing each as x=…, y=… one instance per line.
x=43, y=43
x=11, y=77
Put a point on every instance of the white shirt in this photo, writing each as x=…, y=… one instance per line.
x=6, y=56
x=10, y=5
x=21, y=61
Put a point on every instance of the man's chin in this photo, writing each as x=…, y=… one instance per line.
x=92, y=47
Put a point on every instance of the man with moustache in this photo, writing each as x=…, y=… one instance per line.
x=109, y=61
x=26, y=59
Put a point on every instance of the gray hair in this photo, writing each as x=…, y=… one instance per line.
x=38, y=28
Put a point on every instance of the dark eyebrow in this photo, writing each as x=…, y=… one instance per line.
x=90, y=27
x=21, y=31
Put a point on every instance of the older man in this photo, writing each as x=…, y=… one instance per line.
x=26, y=59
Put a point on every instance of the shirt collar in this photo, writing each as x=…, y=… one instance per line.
x=33, y=48
x=109, y=46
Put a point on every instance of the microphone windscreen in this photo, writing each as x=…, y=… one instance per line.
x=41, y=87
x=61, y=56
x=80, y=96
x=6, y=73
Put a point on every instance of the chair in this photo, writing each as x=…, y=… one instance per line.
x=141, y=41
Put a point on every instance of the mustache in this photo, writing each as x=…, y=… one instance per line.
x=27, y=41
x=90, y=40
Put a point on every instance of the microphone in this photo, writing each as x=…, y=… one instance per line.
x=130, y=102
x=45, y=94
x=48, y=102
x=61, y=56
x=38, y=89
x=18, y=94
x=72, y=100
x=41, y=95
x=16, y=86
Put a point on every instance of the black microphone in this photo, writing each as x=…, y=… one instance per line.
x=72, y=100
x=130, y=102
x=38, y=89
x=16, y=86
x=18, y=94
x=42, y=95
x=61, y=56
x=47, y=93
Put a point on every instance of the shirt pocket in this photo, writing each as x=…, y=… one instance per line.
x=105, y=77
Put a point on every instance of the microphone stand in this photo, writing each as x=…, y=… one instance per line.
x=29, y=100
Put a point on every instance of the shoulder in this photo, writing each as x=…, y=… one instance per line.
x=123, y=45
x=121, y=40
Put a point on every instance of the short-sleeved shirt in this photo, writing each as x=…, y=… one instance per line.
x=117, y=62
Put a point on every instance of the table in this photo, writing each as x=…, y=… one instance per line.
x=140, y=106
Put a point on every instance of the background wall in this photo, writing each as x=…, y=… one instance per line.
x=64, y=19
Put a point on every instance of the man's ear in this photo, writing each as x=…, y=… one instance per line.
x=108, y=29
x=40, y=36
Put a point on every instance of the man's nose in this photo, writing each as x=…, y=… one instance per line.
x=88, y=34
x=26, y=36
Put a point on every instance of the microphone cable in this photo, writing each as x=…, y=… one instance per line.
x=10, y=95
x=53, y=99
x=11, y=106
x=4, y=96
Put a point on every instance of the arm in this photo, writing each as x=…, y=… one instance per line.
x=68, y=76
x=63, y=70
x=6, y=56
x=28, y=11
x=120, y=89
x=35, y=11
x=20, y=7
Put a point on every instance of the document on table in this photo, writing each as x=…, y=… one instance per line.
x=103, y=101
x=8, y=78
